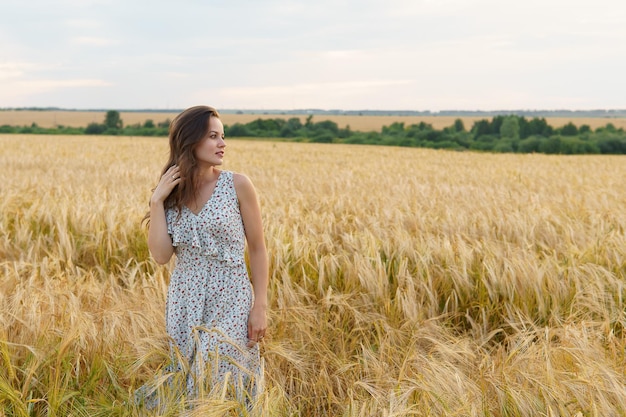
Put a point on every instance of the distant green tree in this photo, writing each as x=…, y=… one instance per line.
x=569, y=129
x=481, y=127
x=112, y=120
x=344, y=133
x=418, y=130
x=322, y=138
x=524, y=127
x=238, y=130
x=148, y=124
x=266, y=127
x=530, y=144
x=610, y=127
x=539, y=126
x=504, y=146
x=164, y=124
x=552, y=145
x=510, y=128
x=95, y=129
x=574, y=145
x=291, y=128
x=328, y=126
x=396, y=129
x=496, y=123
x=459, y=126
x=610, y=143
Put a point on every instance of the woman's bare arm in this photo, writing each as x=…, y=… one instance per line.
x=159, y=241
x=259, y=274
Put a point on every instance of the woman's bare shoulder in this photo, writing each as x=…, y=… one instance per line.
x=243, y=185
x=241, y=180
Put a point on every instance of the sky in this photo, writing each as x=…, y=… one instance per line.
x=325, y=54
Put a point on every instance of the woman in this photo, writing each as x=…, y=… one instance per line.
x=206, y=216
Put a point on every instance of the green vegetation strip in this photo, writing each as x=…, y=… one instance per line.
x=508, y=134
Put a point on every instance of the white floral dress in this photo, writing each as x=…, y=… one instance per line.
x=210, y=295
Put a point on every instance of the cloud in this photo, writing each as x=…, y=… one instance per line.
x=83, y=23
x=93, y=41
x=18, y=92
x=345, y=87
x=57, y=84
x=313, y=94
x=10, y=70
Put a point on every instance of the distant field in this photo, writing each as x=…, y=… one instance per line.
x=357, y=123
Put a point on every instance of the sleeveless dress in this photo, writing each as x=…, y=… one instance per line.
x=210, y=295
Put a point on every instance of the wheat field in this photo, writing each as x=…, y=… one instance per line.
x=403, y=281
x=53, y=118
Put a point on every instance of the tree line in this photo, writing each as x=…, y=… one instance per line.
x=111, y=125
x=503, y=133
x=511, y=133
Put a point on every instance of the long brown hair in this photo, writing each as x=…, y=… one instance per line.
x=186, y=131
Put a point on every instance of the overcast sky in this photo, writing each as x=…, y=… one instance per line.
x=328, y=54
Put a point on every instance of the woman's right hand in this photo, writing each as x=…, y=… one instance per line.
x=168, y=181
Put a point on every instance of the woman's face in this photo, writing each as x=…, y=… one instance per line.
x=210, y=150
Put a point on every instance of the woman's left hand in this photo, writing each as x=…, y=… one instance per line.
x=257, y=324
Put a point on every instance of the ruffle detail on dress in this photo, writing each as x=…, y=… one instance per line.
x=191, y=237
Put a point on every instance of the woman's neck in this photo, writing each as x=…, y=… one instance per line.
x=207, y=175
